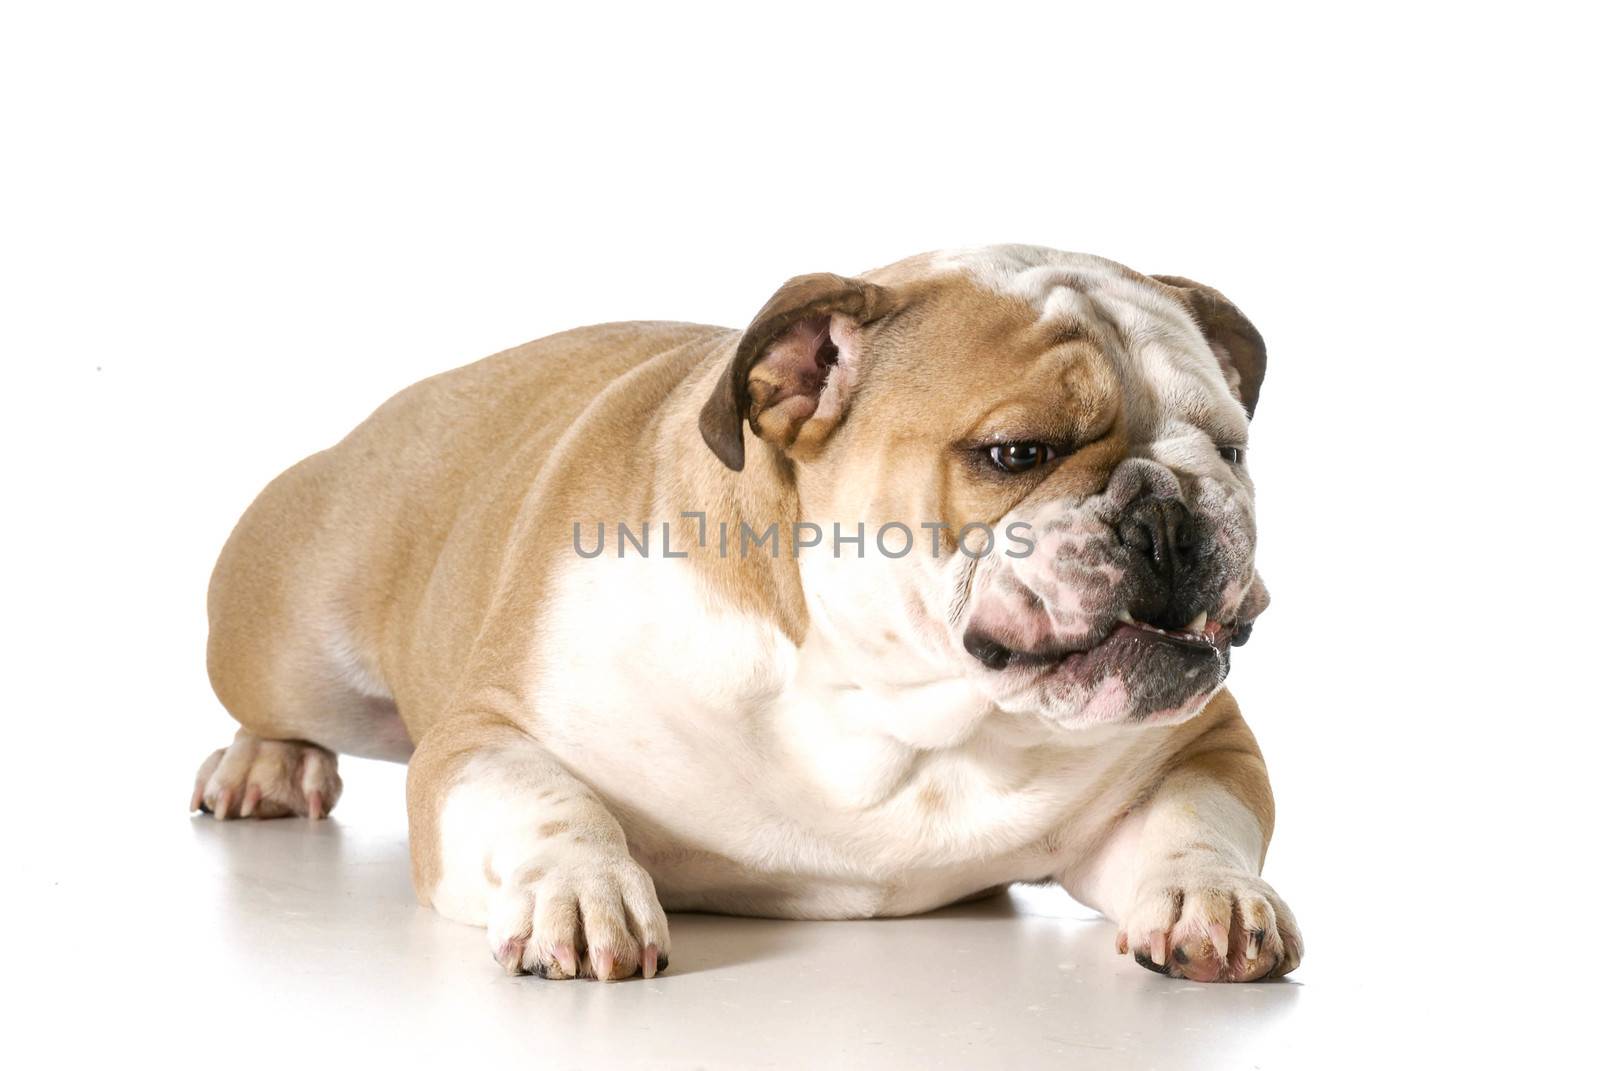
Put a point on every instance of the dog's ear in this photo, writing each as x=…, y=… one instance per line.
x=794, y=368
x=1234, y=339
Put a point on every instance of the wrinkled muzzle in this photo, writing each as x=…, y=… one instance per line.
x=1126, y=605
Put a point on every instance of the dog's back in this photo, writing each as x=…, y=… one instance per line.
x=384, y=543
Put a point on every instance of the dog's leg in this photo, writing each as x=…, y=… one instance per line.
x=1180, y=874
x=257, y=778
x=503, y=836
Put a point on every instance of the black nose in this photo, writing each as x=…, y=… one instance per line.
x=1163, y=542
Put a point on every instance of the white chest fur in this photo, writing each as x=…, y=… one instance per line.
x=751, y=775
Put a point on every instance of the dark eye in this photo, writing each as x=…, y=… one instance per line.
x=1020, y=457
x=1231, y=454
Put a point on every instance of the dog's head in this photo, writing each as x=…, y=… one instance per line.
x=1044, y=455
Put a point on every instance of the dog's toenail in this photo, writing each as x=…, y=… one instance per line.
x=1144, y=960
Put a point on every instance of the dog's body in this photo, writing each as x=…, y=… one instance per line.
x=708, y=722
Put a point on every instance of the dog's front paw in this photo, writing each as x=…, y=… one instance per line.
x=582, y=913
x=1210, y=923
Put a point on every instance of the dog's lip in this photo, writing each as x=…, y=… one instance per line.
x=1210, y=634
x=1212, y=637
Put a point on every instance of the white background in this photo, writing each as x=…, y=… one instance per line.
x=230, y=231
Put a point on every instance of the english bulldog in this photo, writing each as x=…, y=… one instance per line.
x=922, y=584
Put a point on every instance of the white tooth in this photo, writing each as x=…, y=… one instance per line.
x=1125, y=617
x=1198, y=625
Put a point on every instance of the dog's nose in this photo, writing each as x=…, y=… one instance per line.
x=1163, y=542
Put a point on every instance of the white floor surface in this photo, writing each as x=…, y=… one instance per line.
x=146, y=932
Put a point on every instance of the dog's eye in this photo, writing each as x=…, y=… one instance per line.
x=1020, y=457
x=1231, y=454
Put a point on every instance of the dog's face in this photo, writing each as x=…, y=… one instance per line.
x=1060, y=442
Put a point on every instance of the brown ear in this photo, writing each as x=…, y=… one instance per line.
x=1234, y=339
x=791, y=373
